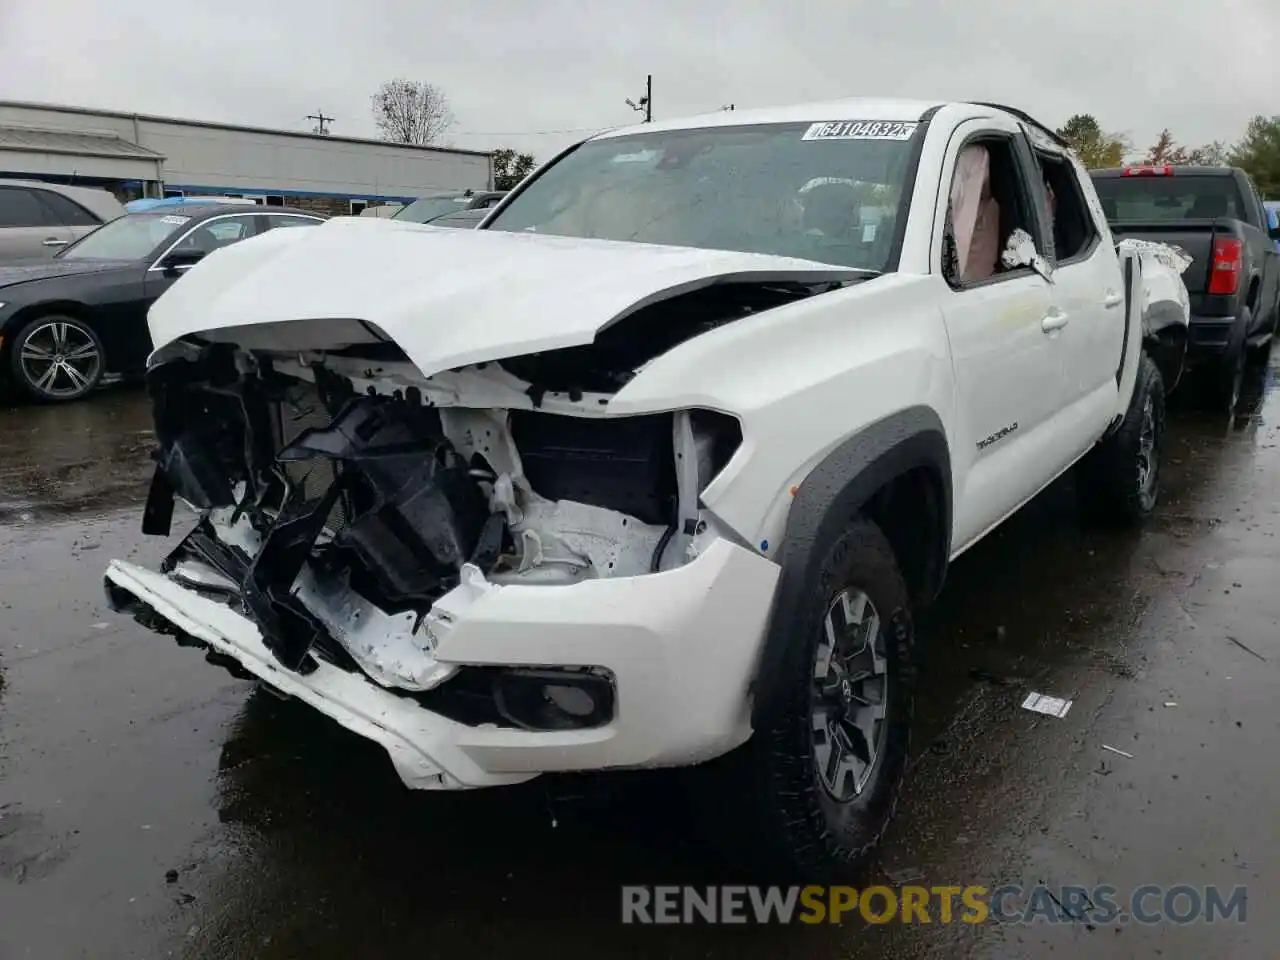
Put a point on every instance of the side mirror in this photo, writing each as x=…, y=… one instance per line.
x=180, y=261
x=1274, y=232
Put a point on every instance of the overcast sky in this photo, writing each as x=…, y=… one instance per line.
x=514, y=71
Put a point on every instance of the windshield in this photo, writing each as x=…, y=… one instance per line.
x=1168, y=198
x=830, y=192
x=428, y=208
x=131, y=237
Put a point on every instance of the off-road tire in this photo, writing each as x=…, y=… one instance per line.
x=1110, y=482
x=797, y=828
x=1260, y=355
x=1226, y=377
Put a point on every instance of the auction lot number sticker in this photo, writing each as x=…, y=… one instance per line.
x=861, y=130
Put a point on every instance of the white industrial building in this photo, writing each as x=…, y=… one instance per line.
x=136, y=155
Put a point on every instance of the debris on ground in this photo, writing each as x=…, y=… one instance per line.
x=1049, y=706
x=1170, y=703
x=1246, y=649
x=1117, y=750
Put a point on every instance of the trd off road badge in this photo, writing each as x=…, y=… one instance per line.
x=861, y=130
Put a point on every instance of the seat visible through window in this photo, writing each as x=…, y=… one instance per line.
x=988, y=207
x=975, y=215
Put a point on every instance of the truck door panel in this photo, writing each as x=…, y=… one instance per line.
x=1087, y=288
x=1005, y=342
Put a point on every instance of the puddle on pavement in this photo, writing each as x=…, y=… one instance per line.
x=67, y=459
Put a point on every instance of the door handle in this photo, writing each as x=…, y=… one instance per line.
x=1113, y=300
x=51, y=242
x=1053, y=322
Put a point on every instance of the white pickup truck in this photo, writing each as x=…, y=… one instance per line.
x=655, y=465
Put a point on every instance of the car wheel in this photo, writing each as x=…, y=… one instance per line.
x=56, y=359
x=825, y=773
x=1119, y=479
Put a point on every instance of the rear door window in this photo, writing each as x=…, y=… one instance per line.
x=66, y=212
x=20, y=208
x=283, y=220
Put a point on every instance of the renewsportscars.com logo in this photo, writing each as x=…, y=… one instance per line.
x=1099, y=905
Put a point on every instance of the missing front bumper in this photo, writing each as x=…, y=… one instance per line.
x=681, y=648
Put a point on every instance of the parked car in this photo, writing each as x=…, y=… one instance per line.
x=38, y=219
x=154, y=203
x=465, y=219
x=661, y=462
x=1214, y=214
x=66, y=322
x=426, y=209
x=382, y=211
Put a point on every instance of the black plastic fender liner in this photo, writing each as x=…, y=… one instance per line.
x=288, y=629
x=830, y=496
x=1165, y=339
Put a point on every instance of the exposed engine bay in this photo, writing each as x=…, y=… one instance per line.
x=343, y=496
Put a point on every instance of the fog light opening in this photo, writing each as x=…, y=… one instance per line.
x=554, y=699
x=571, y=700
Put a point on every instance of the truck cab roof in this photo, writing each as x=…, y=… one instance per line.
x=872, y=109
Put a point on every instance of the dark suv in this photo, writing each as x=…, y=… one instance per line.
x=426, y=209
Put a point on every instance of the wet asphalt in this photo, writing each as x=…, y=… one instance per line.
x=152, y=806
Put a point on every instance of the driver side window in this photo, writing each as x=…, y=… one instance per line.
x=988, y=211
x=215, y=234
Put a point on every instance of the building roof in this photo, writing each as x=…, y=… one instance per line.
x=121, y=115
x=78, y=144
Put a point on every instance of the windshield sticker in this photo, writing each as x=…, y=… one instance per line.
x=861, y=130
x=176, y=221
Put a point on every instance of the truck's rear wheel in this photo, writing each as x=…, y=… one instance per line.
x=1226, y=379
x=825, y=772
x=1119, y=480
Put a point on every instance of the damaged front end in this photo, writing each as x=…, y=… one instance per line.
x=351, y=508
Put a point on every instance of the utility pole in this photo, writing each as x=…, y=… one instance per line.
x=646, y=102
x=321, y=120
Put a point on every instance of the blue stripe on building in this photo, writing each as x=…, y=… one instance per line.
x=261, y=192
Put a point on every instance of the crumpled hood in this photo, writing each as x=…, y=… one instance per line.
x=447, y=297
x=24, y=271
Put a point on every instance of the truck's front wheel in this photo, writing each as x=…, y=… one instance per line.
x=825, y=772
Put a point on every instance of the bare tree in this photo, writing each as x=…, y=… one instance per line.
x=411, y=111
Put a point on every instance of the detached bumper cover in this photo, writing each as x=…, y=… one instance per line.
x=683, y=646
